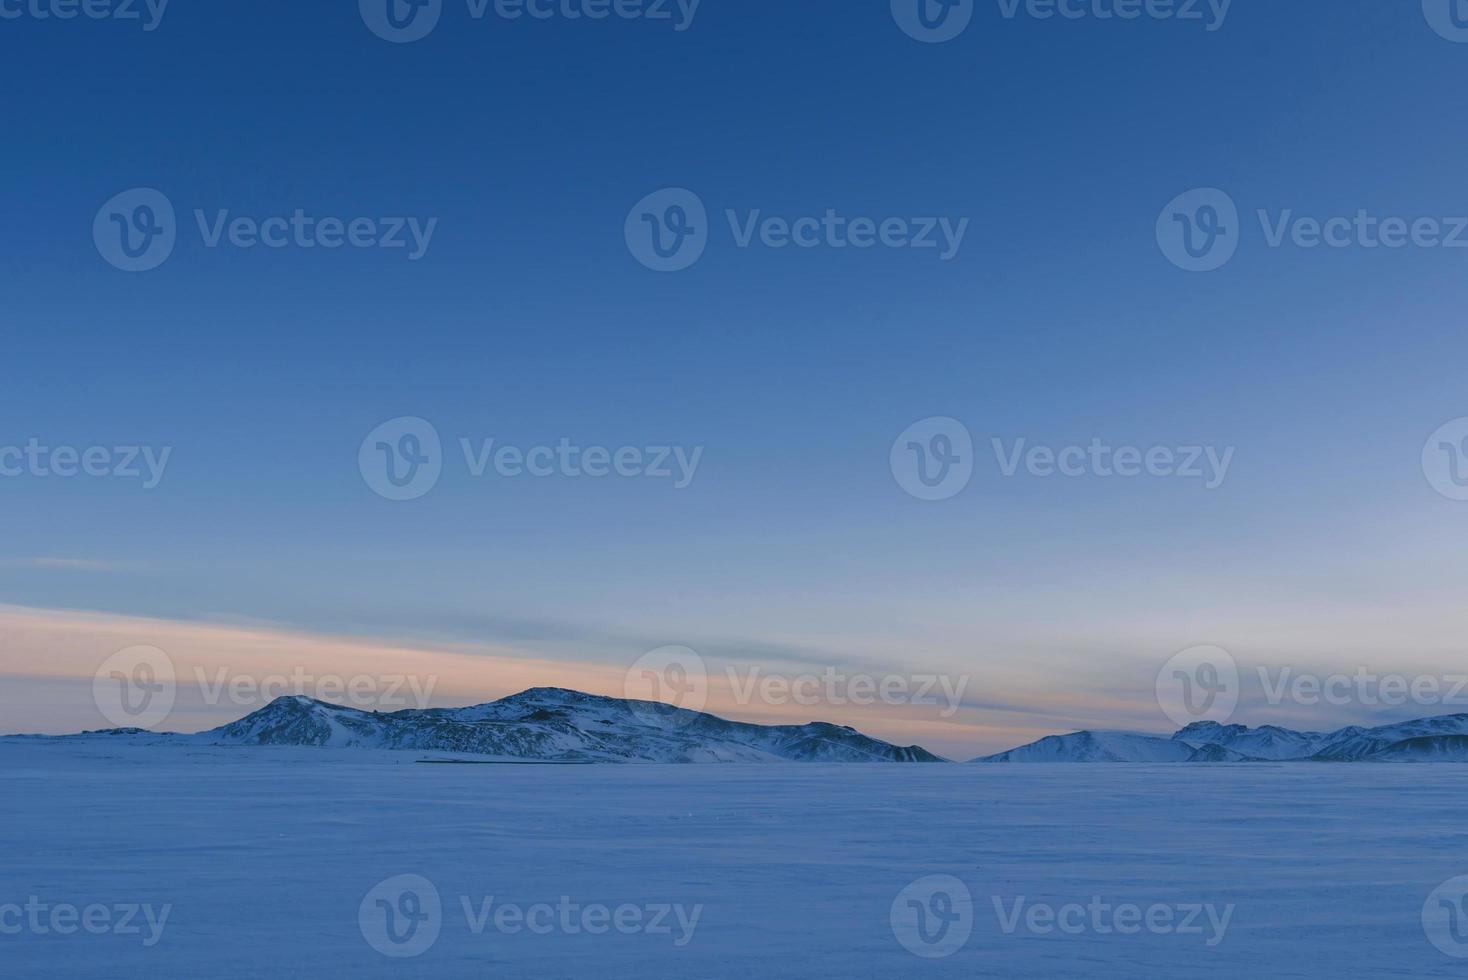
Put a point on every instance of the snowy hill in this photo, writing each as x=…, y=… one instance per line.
x=1267, y=742
x=1426, y=748
x=1442, y=739
x=554, y=725
x=1097, y=747
x=1385, y=742
x=1217, y=753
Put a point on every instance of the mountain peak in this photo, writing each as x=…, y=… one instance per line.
x=1211, y=729
x=559, y=694
x=298, y=702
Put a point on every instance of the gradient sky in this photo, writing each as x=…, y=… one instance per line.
x=794, y=548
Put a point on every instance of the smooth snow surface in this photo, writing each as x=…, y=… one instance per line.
x=267, y=854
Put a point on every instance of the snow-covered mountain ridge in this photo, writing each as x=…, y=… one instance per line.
x=1441, y=739
x=555, y=725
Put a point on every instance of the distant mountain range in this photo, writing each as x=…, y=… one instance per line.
x=1441, y=739
x=549, y=725
x=546, y=724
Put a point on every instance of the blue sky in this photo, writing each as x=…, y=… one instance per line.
x=527, y=320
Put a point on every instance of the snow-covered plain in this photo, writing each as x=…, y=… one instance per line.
x=266, y=856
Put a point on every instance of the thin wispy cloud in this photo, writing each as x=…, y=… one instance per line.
x=73, y=564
